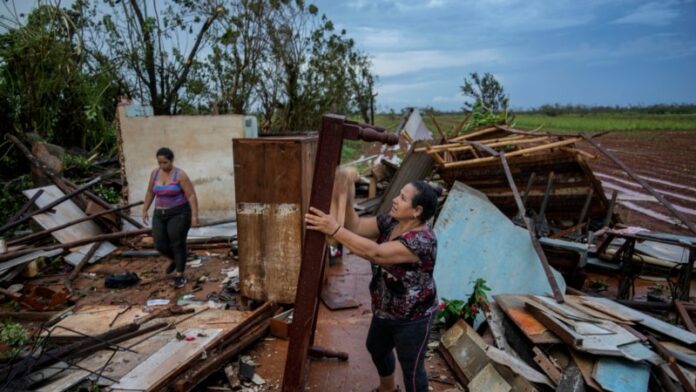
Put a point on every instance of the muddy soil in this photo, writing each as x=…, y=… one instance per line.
x=666, y=160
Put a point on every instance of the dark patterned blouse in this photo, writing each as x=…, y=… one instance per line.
x=405, y=291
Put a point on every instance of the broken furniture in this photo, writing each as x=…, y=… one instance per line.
x=333, y=130
x=630, y=264
x=560, y=189
x=273, y=177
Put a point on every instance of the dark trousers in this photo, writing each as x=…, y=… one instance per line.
x=410, y=338
x=169, y=229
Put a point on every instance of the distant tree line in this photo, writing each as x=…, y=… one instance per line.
x=558, y=109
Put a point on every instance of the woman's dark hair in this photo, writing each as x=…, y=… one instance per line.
x=165, y=152
x=426, y=197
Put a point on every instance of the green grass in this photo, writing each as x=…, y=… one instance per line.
x=596, y=122
x=625, y=122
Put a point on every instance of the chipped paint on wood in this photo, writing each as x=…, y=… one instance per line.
x=269, y=250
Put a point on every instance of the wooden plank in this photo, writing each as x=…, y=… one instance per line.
x=536, y=332
x=168, y=360
x=614, y=312
x=512, y=154
x=93, y=320
x=585, y=363
x=560, y=329
x=4, y=266
x=547, y=366
x=576, y=302
x=488, y=380
x=483, y=141
x=681, y=310
x=644, y=319
x=517, y=366
x=473, y=134
x=562, y=309
x=68, y=211
x=466, y=348
x=621, y=375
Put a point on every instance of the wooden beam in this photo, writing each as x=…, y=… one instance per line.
x=681, y=310
x=475, y=133
x=301, y=335
x=470, y=162
x=84, y=241
x=40, y=234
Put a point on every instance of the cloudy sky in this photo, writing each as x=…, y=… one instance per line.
x=594, y=52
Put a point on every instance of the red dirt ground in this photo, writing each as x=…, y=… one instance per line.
x=666, y=158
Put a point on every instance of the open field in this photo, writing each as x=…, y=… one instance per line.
x=596, y=122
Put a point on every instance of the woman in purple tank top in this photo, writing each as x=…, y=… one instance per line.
x=176, y=210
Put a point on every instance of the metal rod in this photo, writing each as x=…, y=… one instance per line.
x=642, y=182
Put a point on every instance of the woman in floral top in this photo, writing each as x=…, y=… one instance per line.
x=402, y=249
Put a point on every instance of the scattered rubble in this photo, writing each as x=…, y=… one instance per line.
x=524, y=211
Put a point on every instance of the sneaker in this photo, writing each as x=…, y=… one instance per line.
x=179, y=282
x=170, y=268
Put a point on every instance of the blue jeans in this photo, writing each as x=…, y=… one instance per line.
x=169, y=229
x=410, y=338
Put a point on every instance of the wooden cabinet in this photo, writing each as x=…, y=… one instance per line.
x=273, y=179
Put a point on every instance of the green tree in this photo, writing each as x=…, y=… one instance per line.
x=233, y=69
x=319, y=69
x=487, y=90
x=47, y=85
x=149, y=46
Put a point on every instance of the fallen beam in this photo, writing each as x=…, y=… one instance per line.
x=80, y=265
x=49, y=206
x=25, y=207
x=557, y=295
x=65, y=185
x=219, y=360
x=84, y=241
x=43, y=233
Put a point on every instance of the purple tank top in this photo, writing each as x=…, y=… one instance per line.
x=169, y=195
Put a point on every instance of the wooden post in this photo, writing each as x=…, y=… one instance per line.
x=333, y=130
